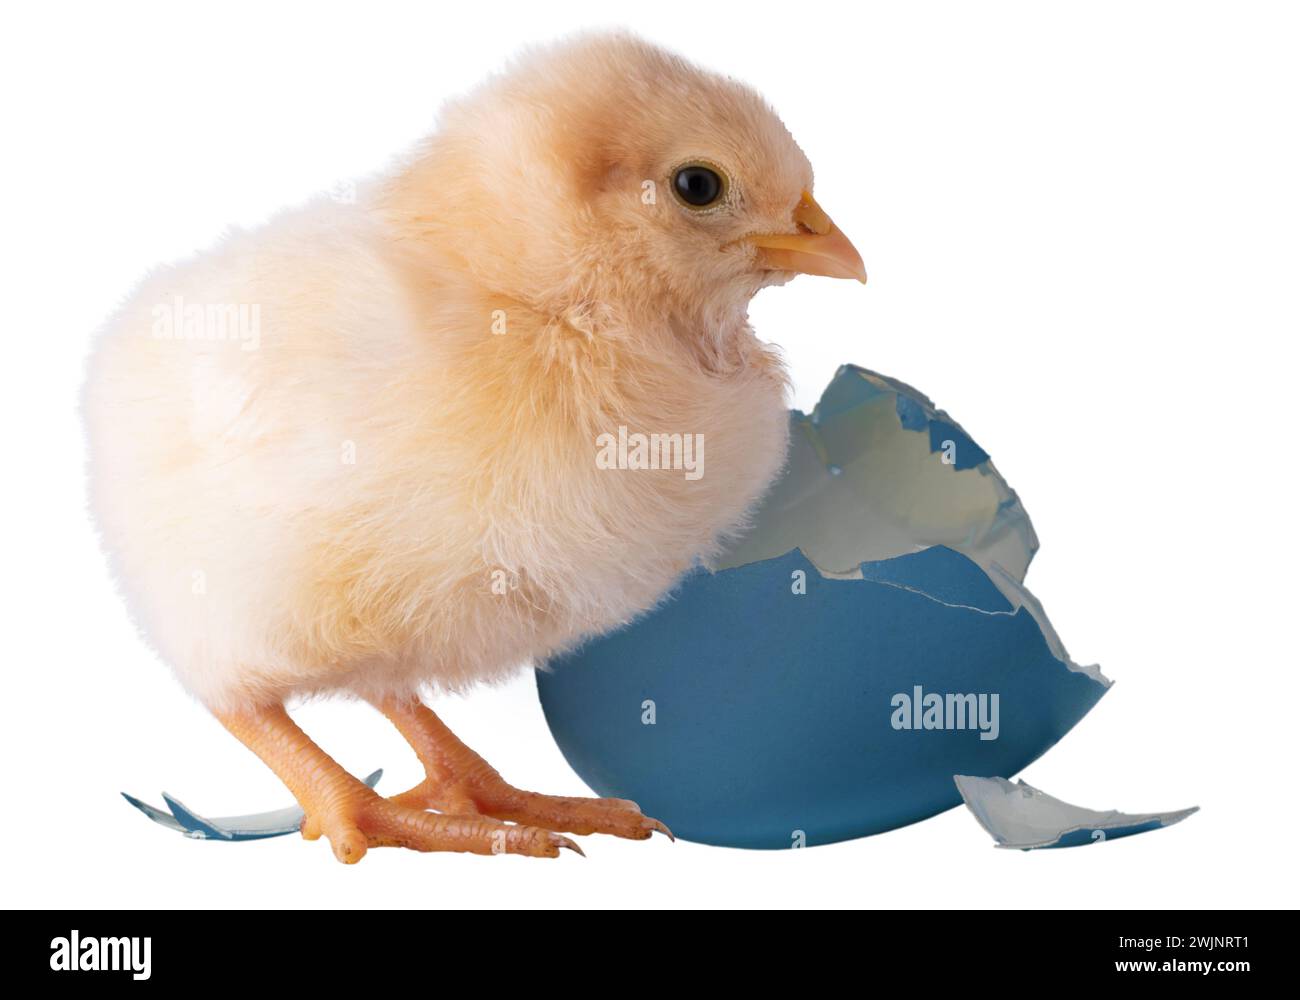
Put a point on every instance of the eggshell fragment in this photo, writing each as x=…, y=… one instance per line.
x=1020, y=817
x=254, y=826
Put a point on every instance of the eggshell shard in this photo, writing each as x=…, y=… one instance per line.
x=866, y=640
x=254, y=826
x=1020, y=817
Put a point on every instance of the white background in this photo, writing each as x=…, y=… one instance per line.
x=1081, y=224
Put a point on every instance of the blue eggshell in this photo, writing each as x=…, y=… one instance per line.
x=772, y=710
x=769, y=703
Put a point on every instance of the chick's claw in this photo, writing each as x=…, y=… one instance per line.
x=617, y=817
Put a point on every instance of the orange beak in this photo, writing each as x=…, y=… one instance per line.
x=819, y=247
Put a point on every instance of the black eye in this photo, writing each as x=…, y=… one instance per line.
x=697, y=186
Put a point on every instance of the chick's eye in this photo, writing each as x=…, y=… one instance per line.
x=697, y=186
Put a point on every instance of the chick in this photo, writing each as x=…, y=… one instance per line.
x=354, y=450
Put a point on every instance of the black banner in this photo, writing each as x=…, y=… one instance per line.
x=255, y=950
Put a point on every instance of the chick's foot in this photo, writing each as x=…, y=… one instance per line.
x=355, y=819
x=458, y=781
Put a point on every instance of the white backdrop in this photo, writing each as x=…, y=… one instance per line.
x=1080, y=222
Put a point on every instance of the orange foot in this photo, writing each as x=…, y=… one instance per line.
x=460, y=782
x=355, y=819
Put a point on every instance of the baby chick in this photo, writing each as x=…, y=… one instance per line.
x=354, y=450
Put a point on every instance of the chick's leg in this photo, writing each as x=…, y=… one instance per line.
x=354, y=818
x=457, y=780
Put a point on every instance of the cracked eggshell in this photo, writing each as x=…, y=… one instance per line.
x=781, y=696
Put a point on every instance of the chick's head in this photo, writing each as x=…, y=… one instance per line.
x=608, y=170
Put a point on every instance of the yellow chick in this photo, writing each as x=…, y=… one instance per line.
x=358, y=450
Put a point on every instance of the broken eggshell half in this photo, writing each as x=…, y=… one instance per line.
x=867, y=639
